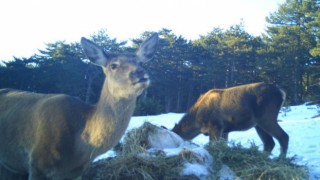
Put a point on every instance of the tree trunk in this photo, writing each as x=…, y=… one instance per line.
x=167, y=104
x=189, y=100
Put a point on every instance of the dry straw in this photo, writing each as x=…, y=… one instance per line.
x=250, y=163
x=135, y=162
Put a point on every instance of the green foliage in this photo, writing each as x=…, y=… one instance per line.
x=60, y=68
x=182, y=69
x=291, y=38
x=233, y=56
x=148, y=106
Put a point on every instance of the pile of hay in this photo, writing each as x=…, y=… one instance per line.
x=138, y=167
x=250, y=163
x=134, y=161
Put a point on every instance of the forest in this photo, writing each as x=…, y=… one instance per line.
x=287, y=55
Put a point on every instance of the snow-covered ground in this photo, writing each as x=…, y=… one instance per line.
x=300, y=122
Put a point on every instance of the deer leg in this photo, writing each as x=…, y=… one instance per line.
x=36, y=167
x=215, y=133
x=36, y=174
x=268, y=142
x=225, y=136
x=274, y=129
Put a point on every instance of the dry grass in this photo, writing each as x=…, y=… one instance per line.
x=136, y=141
x=137, y=167
x=250, y=163
x=135, y=162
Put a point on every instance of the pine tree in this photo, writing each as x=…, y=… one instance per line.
x=290, y=38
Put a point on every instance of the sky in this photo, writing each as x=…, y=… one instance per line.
x=27, y=25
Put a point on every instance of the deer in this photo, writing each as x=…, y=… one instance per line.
x=56, y=136
x=220, y=111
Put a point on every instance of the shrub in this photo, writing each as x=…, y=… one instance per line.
x=148, y=106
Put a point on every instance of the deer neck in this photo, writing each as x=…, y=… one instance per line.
x=108, y=121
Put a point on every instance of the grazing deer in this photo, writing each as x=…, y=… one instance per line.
x=55, y=136
x=220, y=111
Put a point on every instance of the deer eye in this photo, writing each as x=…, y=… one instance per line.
x=114, y=66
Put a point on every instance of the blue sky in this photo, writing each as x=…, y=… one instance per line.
x=26, y=25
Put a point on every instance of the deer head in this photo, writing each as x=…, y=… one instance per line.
x=56, y=136
x=124, y=75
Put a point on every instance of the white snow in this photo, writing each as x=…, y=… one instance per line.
x=164, y=139
x=300, y=123
x=195, y=169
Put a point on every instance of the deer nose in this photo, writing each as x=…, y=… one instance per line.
x=138, y=73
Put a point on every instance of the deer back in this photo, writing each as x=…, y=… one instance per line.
x=235, y=108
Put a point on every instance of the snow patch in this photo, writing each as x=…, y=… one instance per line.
x=199, y=170
x=297, y=121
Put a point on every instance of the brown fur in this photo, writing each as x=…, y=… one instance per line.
x=220, y=111
x=56, y=136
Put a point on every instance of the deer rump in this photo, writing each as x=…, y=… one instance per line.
x=220, y=111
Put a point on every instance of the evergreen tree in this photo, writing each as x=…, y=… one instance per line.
x=290, y=38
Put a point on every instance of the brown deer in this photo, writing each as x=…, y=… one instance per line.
x=220, y=111
x=56, y=136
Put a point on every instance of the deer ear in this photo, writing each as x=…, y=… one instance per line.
x=148, y=48
x=93, y=52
